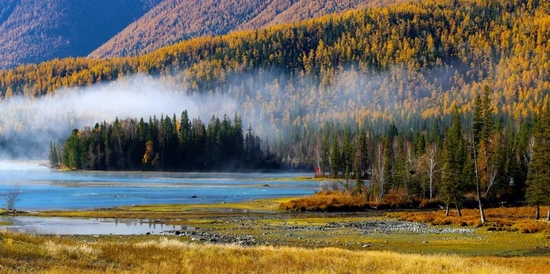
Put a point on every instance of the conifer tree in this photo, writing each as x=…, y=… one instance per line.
x=452, y=184
x=347, y=156
x=72, y=151
x=325, y=156
x=538, y=180
x=53, y=155
x=335, y=158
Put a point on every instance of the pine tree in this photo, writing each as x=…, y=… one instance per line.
x=362, y=151
x=72, y=151
x=335, y=158
x=452, y=184
x=325, y=156
x=482, y=127
x=184, y=139
x=538, y=180
x=53, y=155
x=477, y=123
x=347, y=156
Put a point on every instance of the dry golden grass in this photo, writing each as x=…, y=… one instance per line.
x=24, y=253
x=505, y=219
x=326, y=201
x=341, y=201
x=80, y=251
x=501, y=218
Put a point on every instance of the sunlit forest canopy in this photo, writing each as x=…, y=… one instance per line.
x=375, y=93
x=389, y=63
x=172, y=21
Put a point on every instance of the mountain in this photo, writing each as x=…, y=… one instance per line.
x=279, y=12
x=32, y=31
x=397, y=63
x=176, y=20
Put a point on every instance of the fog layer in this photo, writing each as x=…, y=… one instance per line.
x=28, y=125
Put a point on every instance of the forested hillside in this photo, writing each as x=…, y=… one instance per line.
x=33, y=31
x=303, y=9
x=388, y=64
x=177, y=20
x=439, y=98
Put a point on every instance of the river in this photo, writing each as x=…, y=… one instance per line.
x=44, y=189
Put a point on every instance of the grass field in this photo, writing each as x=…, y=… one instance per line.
x=24, y=253
x=509, y=219
x=291, y=242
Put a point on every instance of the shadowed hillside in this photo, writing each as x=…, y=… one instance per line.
x=32, y=31
x=176, y=20
x=294, y=11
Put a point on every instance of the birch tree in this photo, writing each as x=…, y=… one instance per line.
x=432, y=167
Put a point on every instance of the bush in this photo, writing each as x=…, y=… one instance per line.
x=12, y=197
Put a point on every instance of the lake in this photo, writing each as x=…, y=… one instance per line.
x=81, y=226
x=44, y=189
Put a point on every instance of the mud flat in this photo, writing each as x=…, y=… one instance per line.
x=261, y=223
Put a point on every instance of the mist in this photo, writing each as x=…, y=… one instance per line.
x=28, y=125
x=272, y=103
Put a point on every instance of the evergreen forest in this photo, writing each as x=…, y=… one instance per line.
x=432, y=99
x=164, y=144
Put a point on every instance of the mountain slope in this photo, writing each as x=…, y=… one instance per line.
x=282, y=11
x=32, y=31
x=394, y=63
x=175, y=20
x=401, y=64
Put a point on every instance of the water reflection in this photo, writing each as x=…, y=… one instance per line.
x=45, y=189
x=76, y=226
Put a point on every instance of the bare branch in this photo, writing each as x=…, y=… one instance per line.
x=12, y=197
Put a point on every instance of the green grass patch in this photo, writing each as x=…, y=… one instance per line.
x=174, y=211
x=269, y=225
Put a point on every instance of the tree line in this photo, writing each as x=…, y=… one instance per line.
x=404, y=64
x=476, y=157
x=166, y=144
x=396, y=75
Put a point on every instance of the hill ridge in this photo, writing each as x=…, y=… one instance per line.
x=173, y=21
x=32, y=31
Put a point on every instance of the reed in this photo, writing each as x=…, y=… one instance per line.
x=44, y=254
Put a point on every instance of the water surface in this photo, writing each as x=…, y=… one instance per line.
x=79, y=226
x=44, y=189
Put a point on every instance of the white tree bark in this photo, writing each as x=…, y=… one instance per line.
x=432, y=166
x=379, y=170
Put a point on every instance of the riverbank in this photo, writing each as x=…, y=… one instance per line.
x=256, y=236
x=262, y=223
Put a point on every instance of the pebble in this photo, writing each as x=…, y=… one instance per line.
x=288, y=230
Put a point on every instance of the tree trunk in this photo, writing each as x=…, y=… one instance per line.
x=431, y=187
x=537, y=212
x=447, y=209
x=481, y=212
x=478, y=189
x=458, y=209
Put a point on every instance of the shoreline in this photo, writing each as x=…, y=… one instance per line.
x=261, y=223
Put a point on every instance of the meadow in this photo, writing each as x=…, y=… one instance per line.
x=260, y=237
x=26, y=253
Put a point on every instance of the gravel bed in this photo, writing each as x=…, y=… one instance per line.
x=286, y=230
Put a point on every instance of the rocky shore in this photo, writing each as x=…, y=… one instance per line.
x=288, y=233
